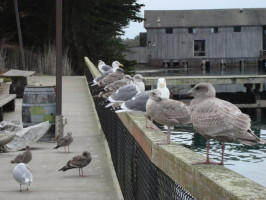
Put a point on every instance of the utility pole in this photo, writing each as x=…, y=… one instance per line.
x=58, y=120
x=19, y=36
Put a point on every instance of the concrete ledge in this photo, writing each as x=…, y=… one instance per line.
x=201, y=181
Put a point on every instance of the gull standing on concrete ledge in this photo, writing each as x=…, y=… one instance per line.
x=24, y=157
x=112, y=77
x=138, y=102
x=78, y=161
x=218, y=119
x=103, y=67
x=167, y=112
x=128, y=91
x=65, y=141
x=23, y=175
x=115, y=65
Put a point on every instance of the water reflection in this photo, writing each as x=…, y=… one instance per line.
x=249, y=161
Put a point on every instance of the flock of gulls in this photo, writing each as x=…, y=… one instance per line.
x=211, y=117
x=23, y=175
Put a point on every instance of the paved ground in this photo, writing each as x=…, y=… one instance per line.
x=48, y=183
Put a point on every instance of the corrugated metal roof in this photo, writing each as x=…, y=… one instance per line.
x=205, y=18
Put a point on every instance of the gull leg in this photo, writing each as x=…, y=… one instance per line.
x=151, y=126
x=81, y=172
x=222, y=160
x=20, y=189
x=168, y=140
x=208, y=155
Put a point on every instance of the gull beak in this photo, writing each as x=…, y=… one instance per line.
x=121, y=65
x=161, y=85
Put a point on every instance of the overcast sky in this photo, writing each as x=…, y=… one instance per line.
x=134, y=28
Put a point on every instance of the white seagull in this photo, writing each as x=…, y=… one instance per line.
x=22, y=175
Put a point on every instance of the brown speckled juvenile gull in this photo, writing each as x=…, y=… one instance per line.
x=218, y=119
x=112, y=87
x=112, y=77
x=78, y=161
x=138, y=102
x=119, y=83
x=115, y=65
x=167, y=112
x=65, y=141
x=25, y=157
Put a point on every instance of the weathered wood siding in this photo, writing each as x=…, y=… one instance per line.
x=224, y=44
x=138, y=53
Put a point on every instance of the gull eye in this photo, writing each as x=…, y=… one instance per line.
x=197, y=88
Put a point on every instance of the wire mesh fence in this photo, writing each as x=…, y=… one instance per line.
x=138, y=177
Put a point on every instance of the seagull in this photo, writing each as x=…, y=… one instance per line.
x=128, y=91
x=22, y=175
x=112, y=77
x=167, y=112
x=115, y=65
x=218, y=119
x=25, y=157
x=112, y=87
x=119, y=83
x=65, y=141
x=78, y=161
x=138, y=102
x=103, y=67
x=162, y=86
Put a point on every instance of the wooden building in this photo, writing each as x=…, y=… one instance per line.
x=218, y=35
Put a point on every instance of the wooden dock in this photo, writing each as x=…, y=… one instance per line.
x=193, y=80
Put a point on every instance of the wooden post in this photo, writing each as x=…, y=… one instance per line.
x=19, y=35
x=58, y=133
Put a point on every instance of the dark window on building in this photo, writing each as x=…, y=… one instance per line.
x=199, y=47
x=237, y=29
x=191, y=30
x=169, y=30
x=214, y=30
x=142, y=39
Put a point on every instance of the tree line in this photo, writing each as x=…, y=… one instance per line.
x=91, y=28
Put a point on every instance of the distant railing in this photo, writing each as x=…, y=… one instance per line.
x=262, y=53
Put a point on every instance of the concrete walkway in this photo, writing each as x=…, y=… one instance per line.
x=48, y=183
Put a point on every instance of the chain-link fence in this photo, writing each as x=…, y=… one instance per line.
x=138, y=177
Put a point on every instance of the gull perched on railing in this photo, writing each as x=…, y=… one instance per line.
x=115, y=66
x=128, y=91
x=103, y=67
x=218, y=119
x=167, y=112
x=138, y=102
